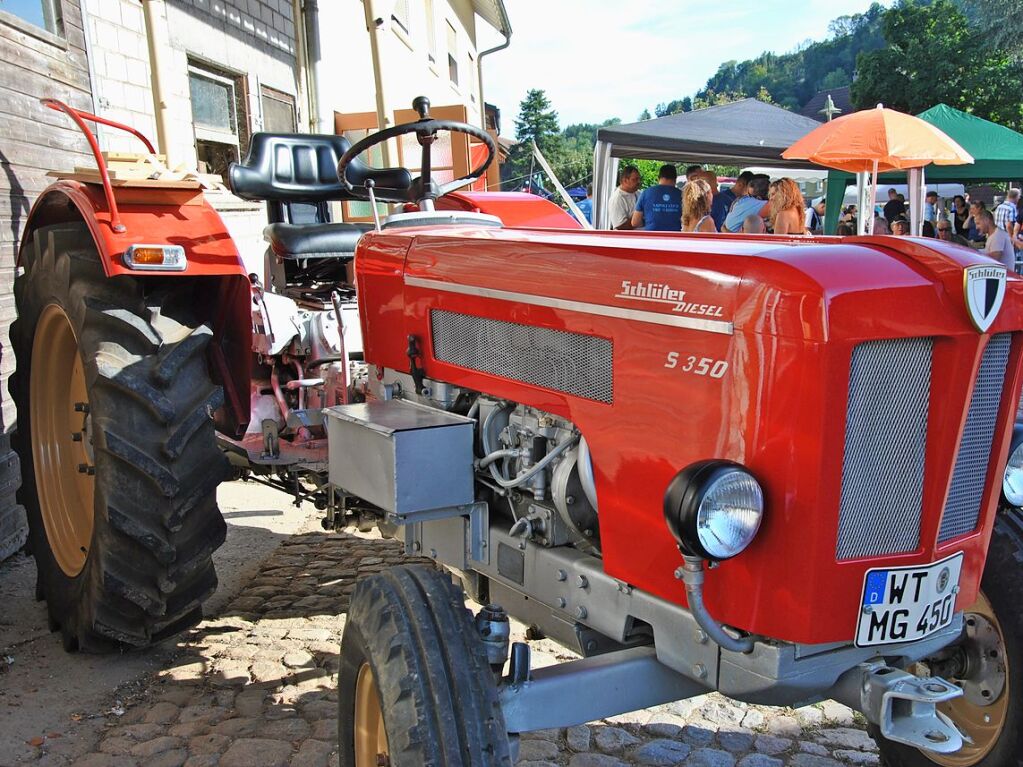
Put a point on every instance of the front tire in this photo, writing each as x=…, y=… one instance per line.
x=116, y=439
x=995, y=628
x=414, y=685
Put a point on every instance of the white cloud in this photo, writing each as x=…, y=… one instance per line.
x=598, y=59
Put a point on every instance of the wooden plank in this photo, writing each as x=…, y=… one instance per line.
x=32, y=48
x=28, y=131
x=71, y=12
x=27, y=155
x=133, y=157
x=24, y=69
x=92, y=177
x=27, y=107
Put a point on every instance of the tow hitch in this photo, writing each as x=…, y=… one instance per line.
x=902, y=705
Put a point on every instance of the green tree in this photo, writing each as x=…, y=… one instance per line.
x=537, y=121
x=999, y=21
x=836, y=78
x=674, y=107
x=934, y=55
x=793, y=78
x=644, y=115
x=711, y=98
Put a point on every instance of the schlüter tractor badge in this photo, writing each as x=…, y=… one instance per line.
x=985, y=291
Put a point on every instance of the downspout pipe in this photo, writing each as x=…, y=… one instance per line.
x=507, y=32
x=302, y=69
x=314, y=65
x=375, y=26
x=155, y=13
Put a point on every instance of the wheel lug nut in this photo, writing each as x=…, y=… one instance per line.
x=76, y=436
x=84, y=468
x=81, y=407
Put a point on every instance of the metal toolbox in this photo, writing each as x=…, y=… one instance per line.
x=405, y=458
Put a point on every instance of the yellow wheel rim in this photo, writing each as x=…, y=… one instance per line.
x=370, y=737
x=981, y=724
x=61, y=440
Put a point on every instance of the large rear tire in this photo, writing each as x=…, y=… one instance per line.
x=116, y=440
x=988, y=664
x=414, y=685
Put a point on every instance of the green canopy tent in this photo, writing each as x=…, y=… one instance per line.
x=997, y=153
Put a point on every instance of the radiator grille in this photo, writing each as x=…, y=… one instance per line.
x=962, y=507
x=885, y=445
x=572, y=363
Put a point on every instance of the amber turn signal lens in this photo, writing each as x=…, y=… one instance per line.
x=148, y=256
x=168, y=258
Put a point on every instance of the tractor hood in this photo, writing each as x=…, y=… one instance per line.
x=807, y=288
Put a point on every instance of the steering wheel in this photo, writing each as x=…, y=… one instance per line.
x=395, y=184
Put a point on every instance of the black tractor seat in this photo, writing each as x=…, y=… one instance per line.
x=303, y=241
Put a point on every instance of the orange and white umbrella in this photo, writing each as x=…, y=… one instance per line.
x=876, y=141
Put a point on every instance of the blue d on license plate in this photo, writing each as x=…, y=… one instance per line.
x=902, y=604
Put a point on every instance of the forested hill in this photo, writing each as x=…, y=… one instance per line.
x=792, y=79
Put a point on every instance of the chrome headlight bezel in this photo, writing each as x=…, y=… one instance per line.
x=1013, y=494
x=697, y=509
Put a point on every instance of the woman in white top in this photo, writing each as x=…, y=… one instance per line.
x=696, y=201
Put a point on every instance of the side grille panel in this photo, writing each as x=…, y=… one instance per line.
x=962, y=507
x=885, y=446
x=572, y=363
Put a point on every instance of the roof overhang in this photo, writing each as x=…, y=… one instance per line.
x=493, y=12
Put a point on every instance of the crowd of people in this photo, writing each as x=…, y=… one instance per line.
x=965, y=222
x=754, y=204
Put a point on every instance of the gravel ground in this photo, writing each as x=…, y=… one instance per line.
x=255, y=686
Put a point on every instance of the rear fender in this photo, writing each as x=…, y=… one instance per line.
x=151, y=217
x=214, y=270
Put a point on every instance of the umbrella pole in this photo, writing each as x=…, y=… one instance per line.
x=873, y=198
x=862, y=202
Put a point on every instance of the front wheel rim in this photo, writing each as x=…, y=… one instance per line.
x=62, y=454
x=370, y=737
x=981, y=724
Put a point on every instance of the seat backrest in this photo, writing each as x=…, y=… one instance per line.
x=291, y=171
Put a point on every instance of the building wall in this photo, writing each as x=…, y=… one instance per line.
x=407, y=70
x=254, y=39
x=33, y=139
x=251, y=40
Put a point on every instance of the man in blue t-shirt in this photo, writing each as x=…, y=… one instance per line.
x=722, y=202
x=751, y=204
x=585, y=205
x=659, y=208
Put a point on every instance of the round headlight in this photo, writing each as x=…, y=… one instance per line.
x=714, y=509
x=1012, y=479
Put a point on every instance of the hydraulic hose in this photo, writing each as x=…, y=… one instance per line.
x=539, y=466
x=496, y=456
x=692, y=575
x=492, y=456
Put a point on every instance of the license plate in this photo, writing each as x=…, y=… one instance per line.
x=903, y=604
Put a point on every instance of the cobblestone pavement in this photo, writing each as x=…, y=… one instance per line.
x=256, y=687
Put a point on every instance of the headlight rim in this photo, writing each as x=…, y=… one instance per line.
x=1015, y=444
x=684, y=496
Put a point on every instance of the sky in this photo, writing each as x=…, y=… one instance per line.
x=598, y=59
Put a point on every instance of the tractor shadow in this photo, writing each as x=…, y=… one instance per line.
x=259, y=680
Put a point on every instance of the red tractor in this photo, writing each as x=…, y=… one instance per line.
x=783, y=468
